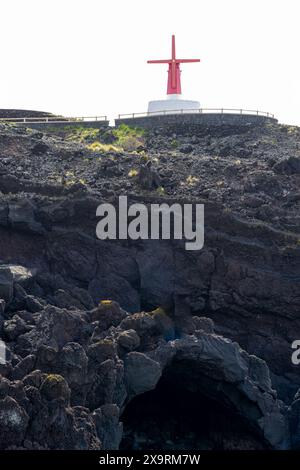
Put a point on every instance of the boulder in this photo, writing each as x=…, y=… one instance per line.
x=148, y=178
x=109, y=429
x=55, y=387
x=54, y=327
x=101, y=351
x=72, y=365
x=128, y=340
x=34, y=379
x=141, y=373
x=107, y=313
x=12, y=278
x=15, y=327
x=103, y=386
x=13, y=423
x=46, y=358
x=24, y=367
x=40, y=148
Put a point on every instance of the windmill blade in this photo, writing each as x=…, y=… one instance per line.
x=173, y=48
x=184, y=61
x=167, y=61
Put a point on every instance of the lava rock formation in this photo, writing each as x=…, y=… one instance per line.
x=97, y=330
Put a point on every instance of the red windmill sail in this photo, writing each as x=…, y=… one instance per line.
x=174, y=83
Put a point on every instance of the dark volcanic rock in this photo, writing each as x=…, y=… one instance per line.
x=107, y=313
x=148, y=178
x=6, y=284
x=117, y=288
x=92, y=326
x=14, y=421
x=141, y=373
x=187, y=148
x=40, y=148
x=288, y=166
x=55, y=387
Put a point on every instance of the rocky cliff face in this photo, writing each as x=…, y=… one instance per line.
x=83, y=354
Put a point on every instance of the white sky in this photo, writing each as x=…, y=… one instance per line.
x=88, y=57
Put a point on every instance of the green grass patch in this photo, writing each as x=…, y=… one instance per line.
x=99, y=147
x=129, y=138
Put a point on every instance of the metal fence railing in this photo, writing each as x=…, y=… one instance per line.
x=197, y=111
x=53, y=119
x=58, y=119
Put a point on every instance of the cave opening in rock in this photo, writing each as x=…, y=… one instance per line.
x=178, y=416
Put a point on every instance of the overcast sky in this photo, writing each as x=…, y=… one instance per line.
x=88, y=57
